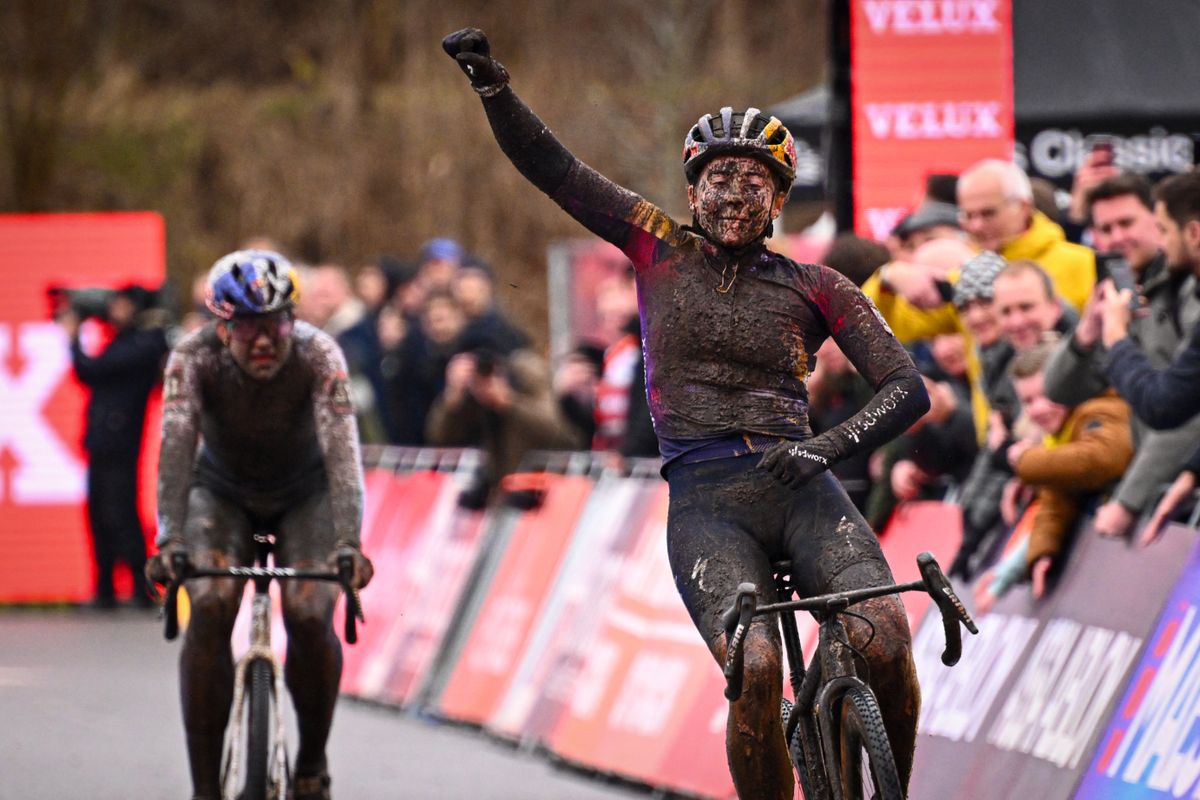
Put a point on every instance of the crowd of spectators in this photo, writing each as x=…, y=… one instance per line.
x=434, y=362
x=1031, y=356
x=1056, y=396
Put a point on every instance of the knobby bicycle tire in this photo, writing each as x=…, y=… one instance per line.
x=862, y=735
x=258, y=727
x=795, y=748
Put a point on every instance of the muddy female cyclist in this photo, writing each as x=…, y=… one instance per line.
x=728, y=329
x=258, y=436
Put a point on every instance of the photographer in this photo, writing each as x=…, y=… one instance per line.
x=503, y=404
x=120, y=378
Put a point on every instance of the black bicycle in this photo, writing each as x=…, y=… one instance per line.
x=838, y=744
x=257, y=720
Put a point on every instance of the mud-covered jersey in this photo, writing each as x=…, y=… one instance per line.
x=728, y=335
x=241, y=435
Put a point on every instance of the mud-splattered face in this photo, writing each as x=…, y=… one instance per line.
x=735, y=199
x=259, y=344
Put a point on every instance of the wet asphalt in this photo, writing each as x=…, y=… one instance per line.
x=89, y=710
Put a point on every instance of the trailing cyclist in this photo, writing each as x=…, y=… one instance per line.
x=728, y=329
x=267, y=400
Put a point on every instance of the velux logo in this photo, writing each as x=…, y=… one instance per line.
x=970, y=120
x=933, y=17
x=35, y=466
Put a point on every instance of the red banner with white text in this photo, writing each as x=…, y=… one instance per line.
x=931, y=88
x=43, y=530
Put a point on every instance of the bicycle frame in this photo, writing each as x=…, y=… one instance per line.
x=819, y=686
x=260, y=648
x=260, y=644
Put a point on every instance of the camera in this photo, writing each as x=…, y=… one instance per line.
x=92, y=302
x=485, y=361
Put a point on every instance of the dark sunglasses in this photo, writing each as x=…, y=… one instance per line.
x=247, y=329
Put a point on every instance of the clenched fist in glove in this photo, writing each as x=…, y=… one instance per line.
x=797, y=463
x=470, y=48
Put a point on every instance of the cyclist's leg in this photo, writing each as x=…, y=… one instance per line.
x=218, y=534
x=314, y=654
x=711, y=551
x=833, y=550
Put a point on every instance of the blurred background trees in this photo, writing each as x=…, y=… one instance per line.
x=341, y=130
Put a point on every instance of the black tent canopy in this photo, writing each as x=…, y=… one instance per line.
x=1081, y=68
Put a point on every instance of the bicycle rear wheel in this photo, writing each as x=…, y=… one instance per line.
x=867, y=767
x=258, y=731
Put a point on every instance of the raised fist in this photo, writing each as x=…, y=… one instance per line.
x=470, y=48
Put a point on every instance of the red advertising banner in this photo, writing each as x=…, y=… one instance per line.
x=646, y=675
x=502, y=626
x=422, y=545
x=548, y=674
x=43, y=529
x=916, y=527
x=931, y=90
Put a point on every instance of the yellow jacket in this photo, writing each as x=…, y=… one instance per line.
x=911, y=324
x=1071, y=267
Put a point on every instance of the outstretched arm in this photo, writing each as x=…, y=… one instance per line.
x=608, y=210
x=1162, y=399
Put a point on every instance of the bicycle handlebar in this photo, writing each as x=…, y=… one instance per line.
x=952, y=609
x=183, y=570
x=933, y=581
x=737, y=621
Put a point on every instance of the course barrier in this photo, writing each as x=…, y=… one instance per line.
x=559, y=628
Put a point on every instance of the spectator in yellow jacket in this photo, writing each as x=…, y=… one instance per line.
x=995, y=204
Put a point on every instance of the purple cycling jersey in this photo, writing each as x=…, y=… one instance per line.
x=728, y=335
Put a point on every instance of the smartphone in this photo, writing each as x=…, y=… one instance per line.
x=1114, y=266
x=1104, y=151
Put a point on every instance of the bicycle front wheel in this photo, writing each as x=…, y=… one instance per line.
x=867, y=767
x=258, y=731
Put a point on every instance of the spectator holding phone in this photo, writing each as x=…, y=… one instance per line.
x=1123, y=222
x=1098, y=165
x=1163, y=398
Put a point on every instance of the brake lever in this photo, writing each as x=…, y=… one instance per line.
x=737, y=621
x=951, y=607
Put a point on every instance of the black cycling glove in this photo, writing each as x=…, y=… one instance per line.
x=797, y=463
x=470, y=48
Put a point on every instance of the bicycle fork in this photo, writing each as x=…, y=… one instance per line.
x=260, y=648
x=804, y=687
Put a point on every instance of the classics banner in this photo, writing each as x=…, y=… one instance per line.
x=932, y=92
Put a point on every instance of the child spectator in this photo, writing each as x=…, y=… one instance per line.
x=1083, y=450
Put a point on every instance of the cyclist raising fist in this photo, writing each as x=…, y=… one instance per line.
x=728, y=330
x=267, y=399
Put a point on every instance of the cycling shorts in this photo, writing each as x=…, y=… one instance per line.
x=729, y=521
x=220, y=523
